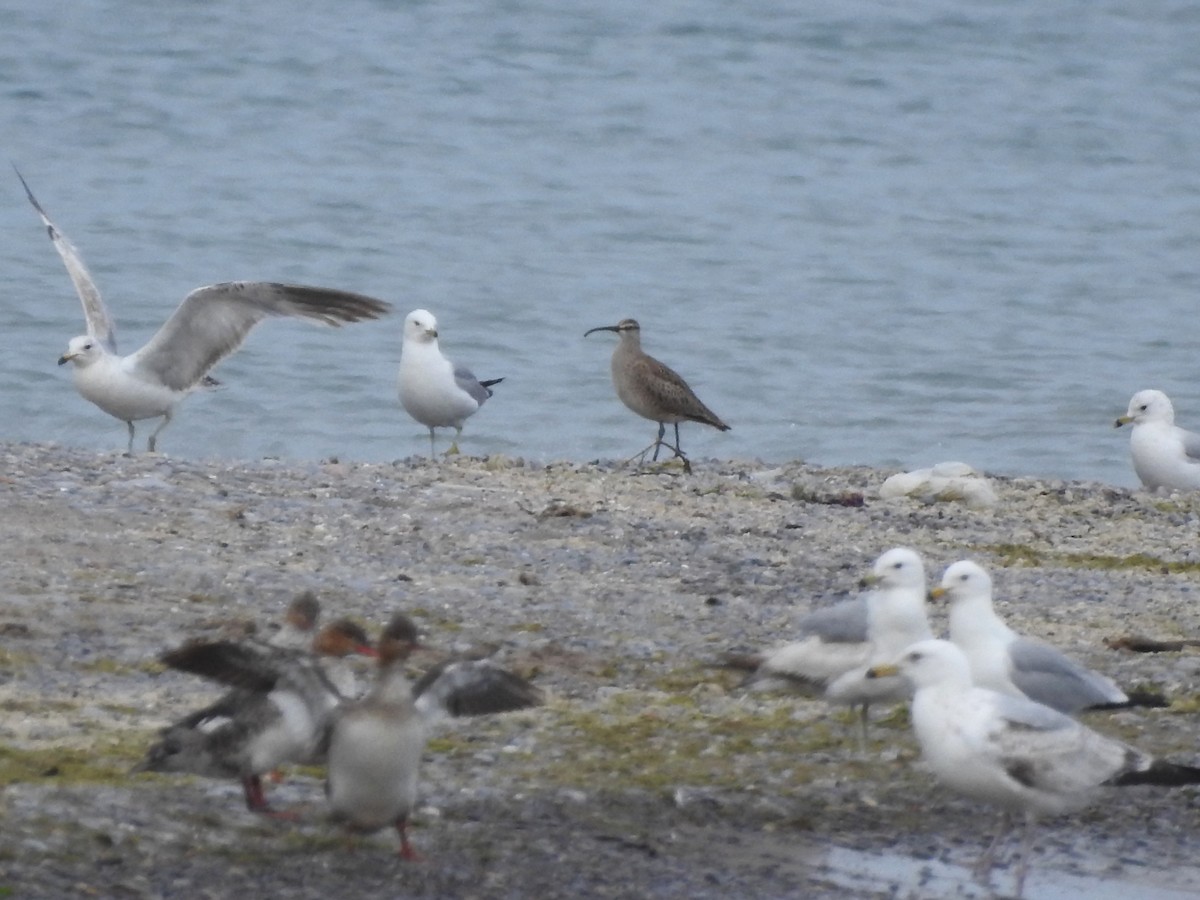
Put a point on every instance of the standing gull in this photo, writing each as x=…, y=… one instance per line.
x=1011, y=752
x=1004, y=661
x=653, y=390
x=1164, y=455
x=837, y=645
x=433, y=390
x=211, y=323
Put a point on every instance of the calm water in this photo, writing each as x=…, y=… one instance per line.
x=864, y=233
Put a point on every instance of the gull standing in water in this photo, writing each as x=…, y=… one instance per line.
x=433, y=390
x=1011, y=752
x=210, y=324
x=653, y=390
x=1164, y=455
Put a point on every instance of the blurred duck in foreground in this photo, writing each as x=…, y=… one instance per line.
x=276, y=714
x=374, y=745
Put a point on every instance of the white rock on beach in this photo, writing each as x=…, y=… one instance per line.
x=944, y=482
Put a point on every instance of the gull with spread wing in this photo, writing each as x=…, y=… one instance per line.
x=210, y=324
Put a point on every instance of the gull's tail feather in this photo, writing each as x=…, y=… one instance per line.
x=1160, y=772
x=1135, y=698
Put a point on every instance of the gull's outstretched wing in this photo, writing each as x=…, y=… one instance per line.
x=213, y=321
x=99, y=323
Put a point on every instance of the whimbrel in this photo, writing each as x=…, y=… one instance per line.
x=433, y=390
x=653, y=390
x=209, y=324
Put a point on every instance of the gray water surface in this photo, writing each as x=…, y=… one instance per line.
x=865, y=233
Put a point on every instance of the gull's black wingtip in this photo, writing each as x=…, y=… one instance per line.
x=33, y=200
x=25, y=184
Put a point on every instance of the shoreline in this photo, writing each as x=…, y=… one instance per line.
x=648, y=773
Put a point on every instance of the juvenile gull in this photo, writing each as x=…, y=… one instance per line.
x=211, y=323
x=1164, y=455
x=433, y=390
x=654, y=391
x=1011, y=752
x=839, y=644
x=1004, y=661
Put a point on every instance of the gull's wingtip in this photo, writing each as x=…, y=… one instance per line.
x=33, y=200
x=25, y=184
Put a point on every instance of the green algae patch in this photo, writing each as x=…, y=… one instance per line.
x=1011, y=555
x=659, y=745
x=14, y=660
x=107, y=761
x=1185, y=704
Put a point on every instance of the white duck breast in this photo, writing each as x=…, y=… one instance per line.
x=375, y=744
x=373, y=765
x=277, y=712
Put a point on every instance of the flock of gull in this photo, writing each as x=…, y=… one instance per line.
x=213, y=321
x=991, y=709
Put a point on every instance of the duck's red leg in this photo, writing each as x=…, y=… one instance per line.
x=256, y=800
x=406, y=850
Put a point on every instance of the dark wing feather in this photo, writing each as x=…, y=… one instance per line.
x=473, y=688
x=466, y=380
x=240, y=665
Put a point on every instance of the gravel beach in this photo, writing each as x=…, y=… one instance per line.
x=648, y=773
